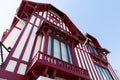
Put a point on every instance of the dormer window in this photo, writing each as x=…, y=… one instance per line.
x=91, y=49
x=59, y=49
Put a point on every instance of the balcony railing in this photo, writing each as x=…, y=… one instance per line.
x=60, y=65
x=100, y=58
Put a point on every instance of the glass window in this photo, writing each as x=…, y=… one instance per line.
x=64, y=51
x=108, y=74
x=49, y=45
x=92, y=50
x=59, y=49
x=99, y=72
x=56, y=50
x=103, y=73
x=69, y=54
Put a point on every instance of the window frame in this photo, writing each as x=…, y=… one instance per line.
x=92, y=49
x=69, y=56
x=103, y=72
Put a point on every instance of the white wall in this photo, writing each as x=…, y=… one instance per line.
x=12, y=38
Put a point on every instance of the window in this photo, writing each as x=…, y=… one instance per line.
x=92, y=50
x=59, y=49
x=103, y=73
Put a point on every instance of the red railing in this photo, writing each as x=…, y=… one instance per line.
x=99, y=58
x=60, y=65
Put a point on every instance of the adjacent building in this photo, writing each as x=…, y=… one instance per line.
x=43, y=44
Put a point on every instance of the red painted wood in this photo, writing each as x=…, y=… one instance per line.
x=48, y=64
x=59, y=65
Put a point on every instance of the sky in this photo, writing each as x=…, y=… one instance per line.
x=100, y=18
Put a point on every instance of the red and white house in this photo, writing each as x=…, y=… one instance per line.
x=43, y=44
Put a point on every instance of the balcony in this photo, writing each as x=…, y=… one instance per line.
x=99, y=59
x=43, y=64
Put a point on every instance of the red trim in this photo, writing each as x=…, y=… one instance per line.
x=79, y=57
x=93, y=67
x=94, y=40
x=71, y=71
x=26, y=10
x=23, y=50
x=15, y=45
x=10, y=75
x=85, y=54
x=41, y=42
x=86, y=64
x=45, y=47
x=73, y=55
x=113, y=73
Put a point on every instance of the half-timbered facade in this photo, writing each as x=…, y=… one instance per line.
x=43, y=44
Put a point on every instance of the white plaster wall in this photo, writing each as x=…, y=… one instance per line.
x=32, y=19
x=37, y=45
x=20, y=24
x=12, y=38
x=11, y=66
x=22, y=41
x=22, y=69
x=28, y=49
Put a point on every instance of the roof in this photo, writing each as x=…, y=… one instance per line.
x=33, y=6
x=96, y=43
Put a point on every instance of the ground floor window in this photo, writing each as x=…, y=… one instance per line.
x=59, y=49
x=103, y=73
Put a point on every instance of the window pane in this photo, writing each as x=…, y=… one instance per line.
x=90, y=49
x=64, y=52
x=103, y=73
x=49, y=45
x=99, y=72
x=69, y=54
x=59, y=49
x=109, y=75
x=95, y=51
x=56, y=49
x=102, y=70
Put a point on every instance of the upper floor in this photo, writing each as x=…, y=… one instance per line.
x=46, y=42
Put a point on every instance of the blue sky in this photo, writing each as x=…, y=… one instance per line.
x=100, y=18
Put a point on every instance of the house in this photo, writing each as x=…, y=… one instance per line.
x=43, y=44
